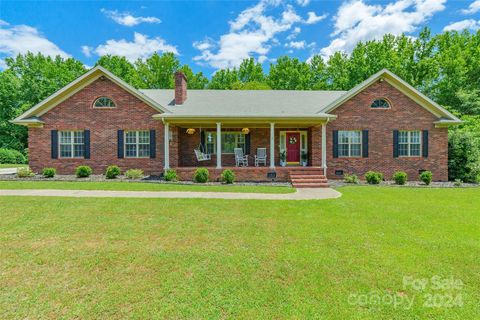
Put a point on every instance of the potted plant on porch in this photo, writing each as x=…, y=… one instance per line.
x=283, y=158
x=304, y=158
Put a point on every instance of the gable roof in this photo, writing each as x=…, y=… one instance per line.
x=445, y=117
x=245, y=102
x=31, y=115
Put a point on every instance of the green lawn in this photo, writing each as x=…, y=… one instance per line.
x=10, y=165
x=198, y=258
x=139, y=186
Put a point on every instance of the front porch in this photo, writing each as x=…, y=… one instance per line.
x=288, y=145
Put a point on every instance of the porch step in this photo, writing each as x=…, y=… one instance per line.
x=311, y=185
x=308, y=178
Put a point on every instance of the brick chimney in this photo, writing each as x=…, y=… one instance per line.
x=180, y=87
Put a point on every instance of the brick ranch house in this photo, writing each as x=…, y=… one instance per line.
x=383, y=124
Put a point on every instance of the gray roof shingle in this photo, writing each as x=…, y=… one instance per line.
x=245, y=102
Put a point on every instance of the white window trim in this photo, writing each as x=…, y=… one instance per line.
x=72, y=144
x=409, y=143
x=350, y=145
x=95, y=102
x=137, y=144
x=214, y=141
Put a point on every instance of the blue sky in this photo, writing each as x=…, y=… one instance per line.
x=209, y=35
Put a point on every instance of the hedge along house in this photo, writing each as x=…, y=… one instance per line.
x=383, y=124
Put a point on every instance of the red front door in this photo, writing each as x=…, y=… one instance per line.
x=293, y=147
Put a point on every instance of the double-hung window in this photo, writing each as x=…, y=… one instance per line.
x=230, y=141
x=409, y=143
x=137, y=144
x=349, y=143
x=72, y=144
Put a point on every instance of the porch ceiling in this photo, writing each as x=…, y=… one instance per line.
x=281, y=121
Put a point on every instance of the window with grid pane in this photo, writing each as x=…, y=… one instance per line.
x=349, y=143
x=137, y=144
x=409, y=143
x=230, y=141
x=104, y=102
x=72, y=144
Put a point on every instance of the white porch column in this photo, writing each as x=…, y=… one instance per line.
x=272, y=145
x=219, y=145
x=166, y=150
x=324, y=148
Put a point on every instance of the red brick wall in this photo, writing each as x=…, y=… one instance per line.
x=404, y=114
x=77, y=113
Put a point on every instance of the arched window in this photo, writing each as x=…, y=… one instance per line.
x=104, y=102
x=380, y=104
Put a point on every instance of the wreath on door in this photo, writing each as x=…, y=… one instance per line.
x=292, y=140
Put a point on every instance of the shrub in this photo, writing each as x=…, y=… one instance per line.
x=400, y=177
x=83, y=171
x=351, y=178
x=24, y=173
x=457, y=183
x=49, y=172
x=373, y=177
x=201, y=175
x=112, y=172
x=228, y=176
x=171, y=175
x=426, y=177
x=11, y=156
x=463, y=156
x=134, y=174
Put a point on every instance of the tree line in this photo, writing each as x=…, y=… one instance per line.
x=446, y=67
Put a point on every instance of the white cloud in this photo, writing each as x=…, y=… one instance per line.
x=474, y=7
x=470, y=24
x=294, y=33
x=313, y=18
x=251, y=33
x=296, y=44
x=303, y=3
x=141, y=47
x=126, y=19
x=87, y=51
x=20, y=39
x=356, y=21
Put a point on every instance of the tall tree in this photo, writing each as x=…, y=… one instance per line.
x=290, y=74
x=223, y=79
x=27, y=80
x=122, y=68
x=157, y=71
x=250, y=71
x=195, y=80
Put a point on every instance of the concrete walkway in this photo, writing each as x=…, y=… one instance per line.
x=300, y=194
x=8, y=171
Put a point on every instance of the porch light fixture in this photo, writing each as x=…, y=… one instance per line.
x=190, y=131
x=245, y=131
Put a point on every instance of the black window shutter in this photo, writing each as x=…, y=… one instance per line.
x=120, y=144
x=86, y=141
x=365, y=143
x=425, y=143
x=153, y=144
x=395, y=143
x=203, y=146
x=54, y=143
x=247, y=143
x=335, y=143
